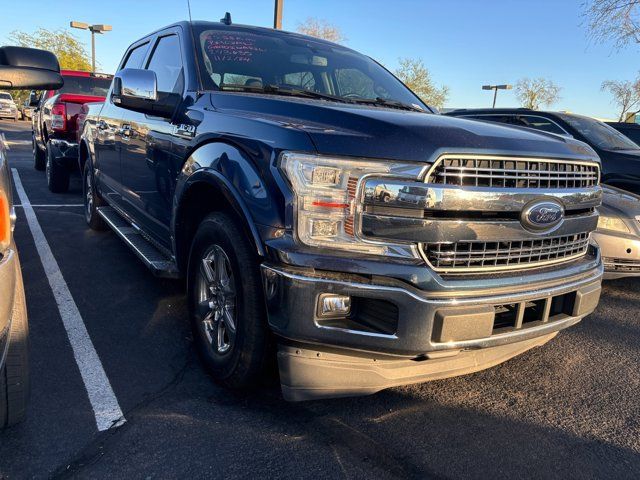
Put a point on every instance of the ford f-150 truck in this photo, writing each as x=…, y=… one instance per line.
x=251, y=162
x=55, y=125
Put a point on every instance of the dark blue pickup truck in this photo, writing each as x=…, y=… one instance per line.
x=321, y=212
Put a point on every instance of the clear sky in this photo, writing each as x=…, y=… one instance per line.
x=465, y=43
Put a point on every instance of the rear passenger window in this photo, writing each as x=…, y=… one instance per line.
x=136, y=56
x=166, y=61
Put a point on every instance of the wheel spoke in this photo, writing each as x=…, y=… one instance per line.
x=207, y=271
x=222, y=275
x=228, y=319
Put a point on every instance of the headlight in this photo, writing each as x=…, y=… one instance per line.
x=327, y=209
x=612, y=223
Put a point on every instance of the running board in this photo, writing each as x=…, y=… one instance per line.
x=154, y=259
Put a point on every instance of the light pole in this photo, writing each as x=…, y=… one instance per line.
x=495, y=89
x=93, y=29
x=277, y=14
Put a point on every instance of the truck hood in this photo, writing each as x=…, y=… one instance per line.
x=376, y=132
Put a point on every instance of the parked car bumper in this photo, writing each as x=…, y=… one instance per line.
x=620, y=254
x=10, y=285
x=65, y=153
x=397, y=334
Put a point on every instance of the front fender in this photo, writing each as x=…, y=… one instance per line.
x=237, y=179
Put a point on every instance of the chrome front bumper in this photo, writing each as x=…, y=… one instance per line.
x=434, y=337
x=292, y=298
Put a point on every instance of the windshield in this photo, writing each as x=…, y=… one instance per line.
x=253, y=61
x=599, y=133
x=5, y=96
x=95, y=86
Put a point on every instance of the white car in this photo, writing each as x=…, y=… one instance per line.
x=8, y=108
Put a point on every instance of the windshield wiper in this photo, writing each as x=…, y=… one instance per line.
x=280, y=90
x=386, y=102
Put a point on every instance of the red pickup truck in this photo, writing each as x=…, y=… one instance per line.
x=55, y=124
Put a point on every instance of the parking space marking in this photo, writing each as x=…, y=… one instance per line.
x=50, y=205
x=103, y=400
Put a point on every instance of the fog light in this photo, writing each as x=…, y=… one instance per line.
x=330, y=305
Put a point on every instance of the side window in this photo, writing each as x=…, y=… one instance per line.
x=540, y=123
x=136, y=56
x=354, y=82
x=166, y=61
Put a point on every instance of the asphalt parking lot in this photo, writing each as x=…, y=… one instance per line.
x=569, y=409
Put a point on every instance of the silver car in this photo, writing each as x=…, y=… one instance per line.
x=618, y=233
x=8, y=108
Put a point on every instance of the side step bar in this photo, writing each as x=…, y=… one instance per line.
x=160, y=264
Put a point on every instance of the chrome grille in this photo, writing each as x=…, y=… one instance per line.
x=467, y=256
x=502, y=172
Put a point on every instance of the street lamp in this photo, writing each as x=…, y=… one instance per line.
x=495, y=89
x=277, y=14
x=93, y=29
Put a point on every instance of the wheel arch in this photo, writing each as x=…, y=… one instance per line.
x=203, y=187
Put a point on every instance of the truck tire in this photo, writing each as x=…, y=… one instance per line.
x=226, y=305
x=14, y=376
x=39, y=160
x=91, y=199
x=57, y=175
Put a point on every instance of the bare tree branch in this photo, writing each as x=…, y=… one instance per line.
x=626, y=96
x=534, y=93
x=413, y=73
x=613, y=20
x=321, y=29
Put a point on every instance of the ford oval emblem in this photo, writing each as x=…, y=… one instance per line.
x=542, y=215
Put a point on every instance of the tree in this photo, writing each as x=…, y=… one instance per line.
x=413, y=73
x=615, y=20
x=70, y=52
x=626, y=95
x=534, y=93
x=321, y=29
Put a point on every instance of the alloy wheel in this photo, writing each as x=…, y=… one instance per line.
x=216, y=299
x=88, y=197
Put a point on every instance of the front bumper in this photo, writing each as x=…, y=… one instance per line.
x=429, y=335
x=620, y=254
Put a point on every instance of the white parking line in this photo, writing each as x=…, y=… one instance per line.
x=103, y=401
x=50, y=205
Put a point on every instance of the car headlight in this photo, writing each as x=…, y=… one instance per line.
x=612, y=223
x=327, y=208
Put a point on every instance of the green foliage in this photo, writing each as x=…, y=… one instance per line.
x=70, y=52
x=413, y=73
